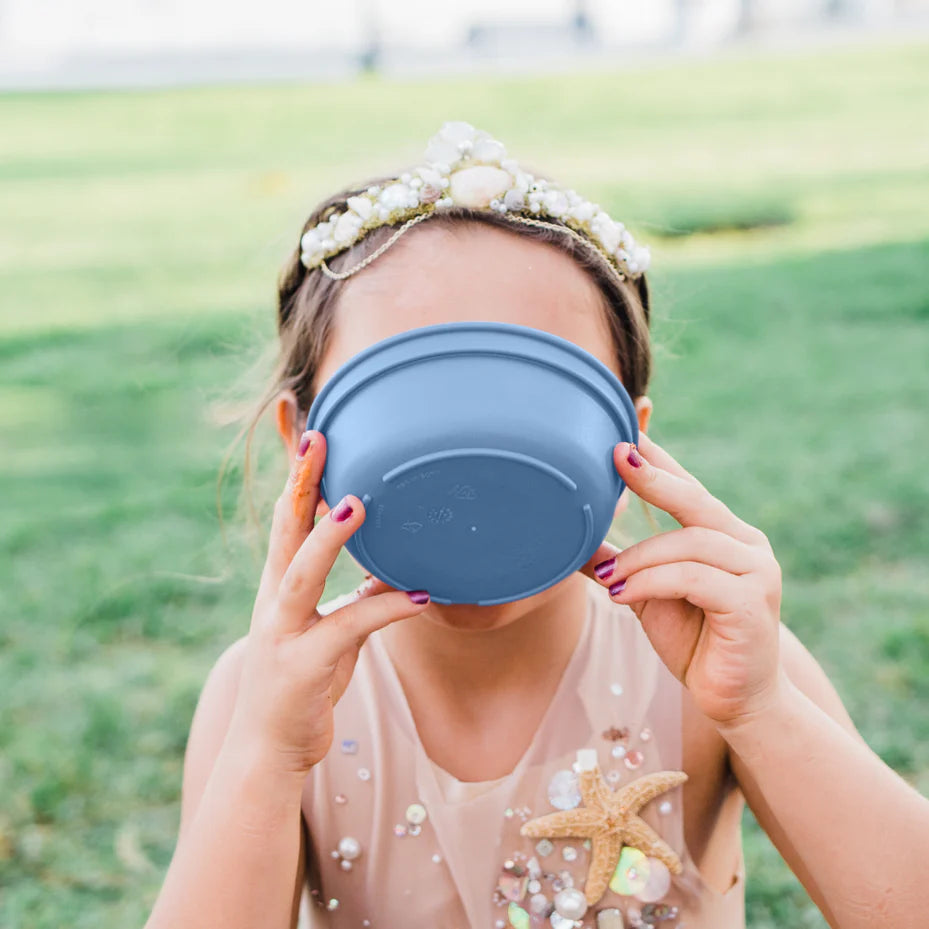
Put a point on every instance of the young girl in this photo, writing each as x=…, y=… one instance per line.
x=576, y=758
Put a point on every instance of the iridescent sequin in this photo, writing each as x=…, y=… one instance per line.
x=658, y=912
x=517, y=916
x=341, y=798
x=633, y=759
x=400, y=830
x=333, y=904
x=364, y=774
x=563, y=790
x=415, y=813
x=617, y=751
x=544, y=847
x=512, y=886
x=645, y=734
x=631, y=874
x=664, y=807
x=539, y=904
x=561, y=922
x=616, y=689
x=437, y=858
x=610, y=918
x=414, y=829
x=657, y=882
x=349, y=746
x=569, y=853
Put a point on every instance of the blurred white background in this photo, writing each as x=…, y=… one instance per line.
x=47, y=43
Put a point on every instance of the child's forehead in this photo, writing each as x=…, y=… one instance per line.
x=441, y=276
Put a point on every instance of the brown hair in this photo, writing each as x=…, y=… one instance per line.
x=306, y=302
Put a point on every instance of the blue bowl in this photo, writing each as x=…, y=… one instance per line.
x=483, y=453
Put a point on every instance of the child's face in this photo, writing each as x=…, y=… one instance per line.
x=431, y=275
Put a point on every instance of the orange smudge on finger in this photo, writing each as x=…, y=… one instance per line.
x=303, y=488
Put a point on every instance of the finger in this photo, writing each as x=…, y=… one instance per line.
x=304, y=581
x=694, y=543
x=702, y=585
x=654, y=453
x=290, y=528
x=352, y=623
x=689, y=502
x=600, y=561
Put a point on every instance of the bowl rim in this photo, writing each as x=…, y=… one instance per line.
x=531, y=332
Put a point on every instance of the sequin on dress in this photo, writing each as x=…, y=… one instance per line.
x=397, y=841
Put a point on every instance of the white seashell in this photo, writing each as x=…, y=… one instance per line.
x=395, y=196
x=441, y=150
x=556, y=203
x=310, y=240
x=476, y=186
x=488, y=150
x=456, y=131
x=430, y=194
x=583, y=211
x=347, y=228
x=514, y=200
x=429, y=176
x=609, y=236
x=361, y=205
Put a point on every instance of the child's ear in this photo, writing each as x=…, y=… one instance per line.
x=286, y=420
x=643, y=408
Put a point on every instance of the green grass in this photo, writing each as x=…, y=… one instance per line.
x=140, y=235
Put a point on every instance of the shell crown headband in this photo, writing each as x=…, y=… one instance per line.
x=466, y=167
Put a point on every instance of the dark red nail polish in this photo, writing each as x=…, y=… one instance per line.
x=342, y=511
x=418, y=596
x=305, y=441
x=634, y=458
x=617, y=587
x=605, y=568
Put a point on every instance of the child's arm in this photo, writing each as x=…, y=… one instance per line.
x=853, y=831
x=265, y=719
x=708, y=596
x=240, y=856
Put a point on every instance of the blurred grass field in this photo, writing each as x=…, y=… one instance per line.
x=787, y=203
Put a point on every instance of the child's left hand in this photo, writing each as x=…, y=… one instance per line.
x=708, y=595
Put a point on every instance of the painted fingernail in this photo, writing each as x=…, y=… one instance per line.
x=617, y=587
x=342, y=511
x=306, y=440
x=418, y=596
x=604, y=569
x=634, y=458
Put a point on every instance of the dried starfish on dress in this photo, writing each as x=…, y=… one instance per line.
x=610, y=821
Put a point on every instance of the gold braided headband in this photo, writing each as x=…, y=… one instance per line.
x=464, y=166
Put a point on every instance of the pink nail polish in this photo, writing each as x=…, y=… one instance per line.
x=617, y=587
x=342, y=511
x=634, y=458
x=305, y=441
x=605, y=568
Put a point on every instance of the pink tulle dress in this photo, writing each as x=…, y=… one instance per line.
x=397, y=842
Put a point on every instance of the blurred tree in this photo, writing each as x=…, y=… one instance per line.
x=370, y=56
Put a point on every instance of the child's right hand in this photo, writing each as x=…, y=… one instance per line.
x=298, y=662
